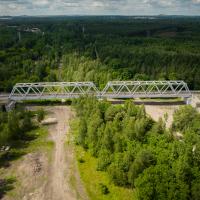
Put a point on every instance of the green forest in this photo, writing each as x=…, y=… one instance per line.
x=99, y=49
x=140, y=153
x=136, y=153
x=16, y=125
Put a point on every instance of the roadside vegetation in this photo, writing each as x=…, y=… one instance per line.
x=20, y=134
x=16, y=126
x=122, y=146
x=97, y=183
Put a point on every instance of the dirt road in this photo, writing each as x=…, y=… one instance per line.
x=58, y=187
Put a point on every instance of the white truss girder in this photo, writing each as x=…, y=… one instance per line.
x=146, y=89
x=113, y=89
x=56, y=90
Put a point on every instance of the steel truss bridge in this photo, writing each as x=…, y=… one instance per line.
x=113, y=89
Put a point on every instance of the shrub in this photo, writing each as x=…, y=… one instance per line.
x=81, y=160
x=104, y=189
x=40, y=115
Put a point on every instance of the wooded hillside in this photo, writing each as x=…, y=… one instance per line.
x=99, y=49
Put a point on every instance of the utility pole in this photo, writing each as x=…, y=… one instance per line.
x=83, y=31
x=19, y=36
x=96, y=52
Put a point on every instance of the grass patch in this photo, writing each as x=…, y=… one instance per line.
x=36, y=140
x=97, y=183
x=6, y=185
x=40, y=143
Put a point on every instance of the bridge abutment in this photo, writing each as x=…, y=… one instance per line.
x=10, y=106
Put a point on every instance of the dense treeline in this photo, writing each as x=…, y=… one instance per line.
x=15, y=125
x=139, y=153
x=99, y=49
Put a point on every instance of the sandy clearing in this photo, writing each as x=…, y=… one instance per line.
x=157, y=112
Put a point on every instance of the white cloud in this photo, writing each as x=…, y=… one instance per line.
x=196, y=1
x=40, y=2
x=161, y=3
x=123, y=7
x=97, y=4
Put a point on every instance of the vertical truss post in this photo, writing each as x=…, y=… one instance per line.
x=113, y=89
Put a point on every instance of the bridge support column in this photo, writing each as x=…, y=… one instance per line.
x=188, y=101
x=10, y=106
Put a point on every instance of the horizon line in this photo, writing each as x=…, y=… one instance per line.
x=99, y=15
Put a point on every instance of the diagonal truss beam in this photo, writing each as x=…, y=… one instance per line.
x=113, y=89
x=58, y=90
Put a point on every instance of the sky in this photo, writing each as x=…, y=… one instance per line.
x=99, y=7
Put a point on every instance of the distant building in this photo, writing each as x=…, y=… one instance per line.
x=35, y=30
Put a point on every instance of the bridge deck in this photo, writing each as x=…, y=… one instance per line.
x=106, y=95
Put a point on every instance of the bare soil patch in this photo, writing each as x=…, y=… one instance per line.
x=157, y=112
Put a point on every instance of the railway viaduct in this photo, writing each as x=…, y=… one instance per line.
x=112, y=90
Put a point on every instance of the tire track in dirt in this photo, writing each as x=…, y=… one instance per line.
x=59, y=187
